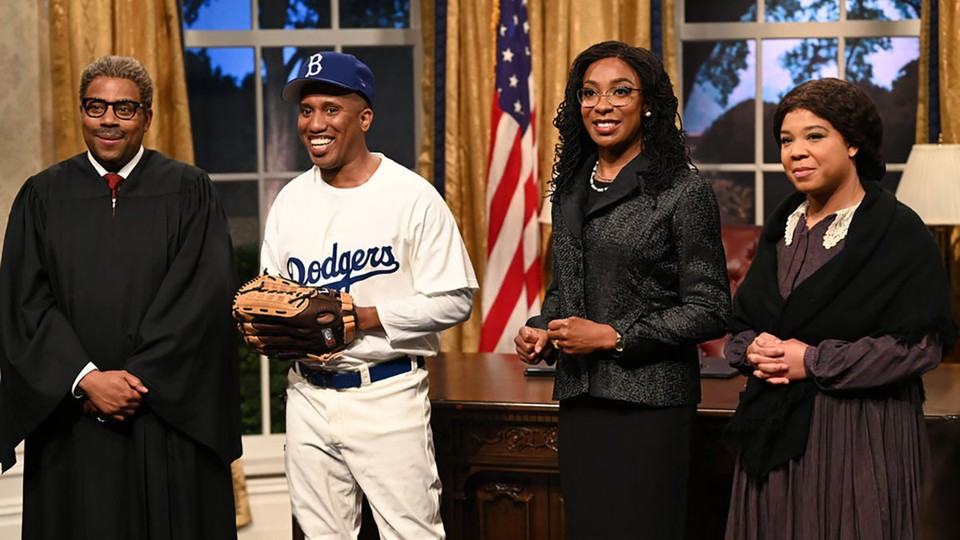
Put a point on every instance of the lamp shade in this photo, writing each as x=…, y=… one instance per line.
x=931, y=183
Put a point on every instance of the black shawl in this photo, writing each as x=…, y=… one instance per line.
x=888, y=280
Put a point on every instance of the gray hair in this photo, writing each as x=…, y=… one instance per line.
x=119, y=67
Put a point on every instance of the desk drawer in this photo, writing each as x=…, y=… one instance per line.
x=497, y=437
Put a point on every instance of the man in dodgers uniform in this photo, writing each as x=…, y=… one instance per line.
x=361, y=223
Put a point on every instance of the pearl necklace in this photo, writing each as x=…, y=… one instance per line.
x=596, y=176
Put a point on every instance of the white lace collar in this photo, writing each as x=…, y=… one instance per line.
x=836, y=231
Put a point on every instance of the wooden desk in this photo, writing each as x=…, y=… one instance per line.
x=496, y=440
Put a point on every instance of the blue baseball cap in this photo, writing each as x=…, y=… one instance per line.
x=338, y=69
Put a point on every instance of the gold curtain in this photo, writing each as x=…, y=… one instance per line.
x=148, y=30
x=923, y=93
x=948, y=27
x=559, y=30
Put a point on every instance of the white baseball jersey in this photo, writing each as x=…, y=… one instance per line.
x=389, y=242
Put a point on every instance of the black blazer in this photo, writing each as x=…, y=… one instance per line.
x=650, y=263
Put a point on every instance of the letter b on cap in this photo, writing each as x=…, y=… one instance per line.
x=313, y=65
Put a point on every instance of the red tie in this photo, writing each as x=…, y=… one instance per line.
x=113, y=180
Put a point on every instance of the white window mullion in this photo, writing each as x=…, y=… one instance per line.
x=758, y=205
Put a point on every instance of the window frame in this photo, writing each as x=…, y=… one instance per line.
x=759, y=30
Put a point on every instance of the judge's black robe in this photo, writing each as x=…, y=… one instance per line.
x=146, y=289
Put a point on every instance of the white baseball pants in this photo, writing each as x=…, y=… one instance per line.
x=374, y=440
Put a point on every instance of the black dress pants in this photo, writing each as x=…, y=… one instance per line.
x=624, y=469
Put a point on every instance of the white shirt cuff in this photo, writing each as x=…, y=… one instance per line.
x=77, y=392
x=423, y=315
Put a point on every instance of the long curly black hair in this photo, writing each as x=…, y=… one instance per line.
x=663, y=141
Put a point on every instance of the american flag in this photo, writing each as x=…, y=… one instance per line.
x=511, y=288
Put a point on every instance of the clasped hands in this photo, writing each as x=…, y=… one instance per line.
x=777, y=361
x=112, y=395
x=572, y=335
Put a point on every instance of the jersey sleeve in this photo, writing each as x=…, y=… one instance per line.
x=422, y=315
x=439, y=258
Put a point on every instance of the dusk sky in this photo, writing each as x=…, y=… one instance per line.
x=702, y=107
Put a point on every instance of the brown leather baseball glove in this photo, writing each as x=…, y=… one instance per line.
x=285, y=320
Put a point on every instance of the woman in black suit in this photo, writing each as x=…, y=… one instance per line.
x=639, y=278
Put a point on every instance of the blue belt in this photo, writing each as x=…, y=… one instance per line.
x=352, y=379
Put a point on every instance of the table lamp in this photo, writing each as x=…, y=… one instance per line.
x=931, y=187
x=931, y=183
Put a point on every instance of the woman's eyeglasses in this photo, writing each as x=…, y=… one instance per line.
x=618, y=97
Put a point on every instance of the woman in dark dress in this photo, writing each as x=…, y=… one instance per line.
x=639, y=278
x=844, y=308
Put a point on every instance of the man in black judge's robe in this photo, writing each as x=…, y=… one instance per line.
x=140, y=292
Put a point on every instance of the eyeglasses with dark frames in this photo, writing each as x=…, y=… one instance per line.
x=617, y=96
x=123, y=109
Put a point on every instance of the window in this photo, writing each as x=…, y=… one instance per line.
x=238, y=54
x=739, y=57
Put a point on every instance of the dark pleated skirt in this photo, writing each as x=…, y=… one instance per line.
x=859, y=478
x=139, y=479
x=624, y=469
